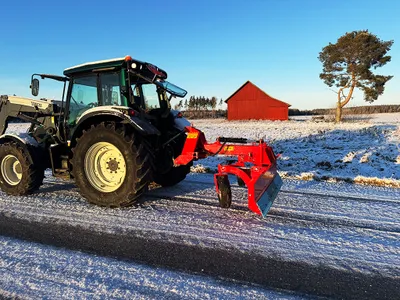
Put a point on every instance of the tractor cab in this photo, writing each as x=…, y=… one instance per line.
x=123, y=82
x=122, y=85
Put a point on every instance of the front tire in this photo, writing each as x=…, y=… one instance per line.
x=110, y=165
x=19, y=175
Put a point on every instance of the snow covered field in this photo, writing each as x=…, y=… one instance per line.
x=365, y=150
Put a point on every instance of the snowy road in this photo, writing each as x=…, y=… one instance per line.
x=33, y=271
x=328, y=239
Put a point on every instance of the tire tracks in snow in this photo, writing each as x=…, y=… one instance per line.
x=277, y=212
x=173, y=205
x=296, y=250
x=338, y=197
x=290, y=214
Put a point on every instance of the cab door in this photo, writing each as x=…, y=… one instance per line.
x=83, y=95
x=90, y=91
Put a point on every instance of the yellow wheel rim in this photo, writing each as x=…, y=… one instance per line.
x=105, y=167
x=11, y=169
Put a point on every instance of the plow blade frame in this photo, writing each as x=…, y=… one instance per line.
x=262, y=179
x=263, y=185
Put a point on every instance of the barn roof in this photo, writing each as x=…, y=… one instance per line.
x=249, y=82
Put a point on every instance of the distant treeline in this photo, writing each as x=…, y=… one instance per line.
x=204, y=114
x=200, y=107
x=298, y=112
x=356, y=110
x=198, y=103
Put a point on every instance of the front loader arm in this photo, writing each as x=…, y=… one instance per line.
x=23, y=108
x=261, y=177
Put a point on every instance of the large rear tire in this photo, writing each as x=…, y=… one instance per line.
x=175, y=174
x=19, y=174
x=110, y=165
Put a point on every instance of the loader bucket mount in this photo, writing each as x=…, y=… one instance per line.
x=254, y=167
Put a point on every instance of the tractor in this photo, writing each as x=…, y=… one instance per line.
x=113, y=132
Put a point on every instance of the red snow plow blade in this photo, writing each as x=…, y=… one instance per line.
x=261, y=178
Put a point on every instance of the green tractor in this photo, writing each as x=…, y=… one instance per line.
x=113, y=132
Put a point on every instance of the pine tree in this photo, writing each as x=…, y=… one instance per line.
x=347, y=65
x=213, y=103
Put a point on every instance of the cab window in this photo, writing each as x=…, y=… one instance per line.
x=83, y=96
x=110, y=89
x=150, y=95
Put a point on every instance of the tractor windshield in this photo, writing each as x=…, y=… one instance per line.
x=145, y=71
x=171, y=88
x=152, y=93
x=149, y=96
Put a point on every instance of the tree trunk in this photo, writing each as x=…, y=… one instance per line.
x=338, y=118
x=341, y=103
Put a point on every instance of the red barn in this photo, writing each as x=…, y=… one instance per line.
x=250, y=102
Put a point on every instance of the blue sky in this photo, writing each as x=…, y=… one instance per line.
x=210, y=48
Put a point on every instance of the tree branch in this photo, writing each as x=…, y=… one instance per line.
x=333, y=91
x=353, y=85
x=341, y=92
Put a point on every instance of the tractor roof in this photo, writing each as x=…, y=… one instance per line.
x=100, y=64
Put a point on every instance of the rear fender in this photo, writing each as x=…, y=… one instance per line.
x=96, y=114
x=27, y=142
x=179, y=120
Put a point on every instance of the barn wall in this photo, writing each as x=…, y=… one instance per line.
x=252, y=103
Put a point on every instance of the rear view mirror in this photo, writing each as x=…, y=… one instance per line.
x=35, y=87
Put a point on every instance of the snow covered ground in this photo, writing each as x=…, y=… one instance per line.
x=347, y=233
x=334, y=239
x=364, y=150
